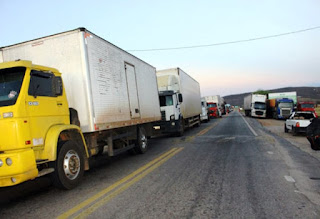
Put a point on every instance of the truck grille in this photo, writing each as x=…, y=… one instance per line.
x=285, y=112
x=260, y=113
x=163, y=115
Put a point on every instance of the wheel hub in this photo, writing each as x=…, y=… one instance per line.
x=143, y=141
x=71, y=164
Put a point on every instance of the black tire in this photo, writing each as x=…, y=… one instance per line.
x=315, y=144
x=69, y=166
x=285, y=128
x=274, y=115
x=181, y=131
x=142, y=141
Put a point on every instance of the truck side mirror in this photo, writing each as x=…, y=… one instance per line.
x=180, y=98
x=57, y=86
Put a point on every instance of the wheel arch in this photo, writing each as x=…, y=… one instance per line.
x=60, y=133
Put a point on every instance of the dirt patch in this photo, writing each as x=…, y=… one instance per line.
x=300, y=141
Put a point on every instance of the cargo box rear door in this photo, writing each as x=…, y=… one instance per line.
x=132, y=91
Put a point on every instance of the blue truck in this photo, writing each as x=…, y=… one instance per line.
x=280, y=108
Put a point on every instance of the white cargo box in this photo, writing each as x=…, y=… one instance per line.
x=177, y=80
x=108, y=87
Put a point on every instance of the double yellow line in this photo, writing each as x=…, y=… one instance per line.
x=93, y=203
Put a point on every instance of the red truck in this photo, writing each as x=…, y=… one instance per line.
x=306, y=106
x=213, y=110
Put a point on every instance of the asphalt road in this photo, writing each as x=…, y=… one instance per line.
x=228, y=168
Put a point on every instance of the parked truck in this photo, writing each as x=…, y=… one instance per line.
x=255, y=105
x=180, y=101
x=306, y=106
x=53, y=121
x=204, y=111
x=280, y=108
x=215, y=104
x=290, y=95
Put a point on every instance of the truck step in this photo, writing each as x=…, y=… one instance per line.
x=45, y=171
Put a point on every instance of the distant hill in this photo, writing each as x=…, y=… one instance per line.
x=303, y=93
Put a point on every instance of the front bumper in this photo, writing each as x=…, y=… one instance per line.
x=300, y=129
x=23, y=167
x=204, y=117
x=166, y=127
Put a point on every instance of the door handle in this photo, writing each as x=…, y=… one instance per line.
x=59, y=104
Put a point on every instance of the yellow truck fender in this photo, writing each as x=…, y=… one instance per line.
x=64, y=132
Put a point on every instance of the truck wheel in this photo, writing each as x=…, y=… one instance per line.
x=274, y=115
x=181, y=131
x=285, y=128
x=142, y=141
x=315, y=144
x=69, y=166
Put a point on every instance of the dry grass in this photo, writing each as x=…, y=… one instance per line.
x=318, y=110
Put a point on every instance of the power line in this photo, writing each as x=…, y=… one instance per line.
x=225, y=43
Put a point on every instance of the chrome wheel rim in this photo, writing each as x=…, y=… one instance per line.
x=143, y=140
x=71, y=164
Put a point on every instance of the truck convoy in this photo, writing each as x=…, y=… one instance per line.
x=180, y=101
x=255, y=105
x=280, y=108
x=52, y=122
x=215, y=104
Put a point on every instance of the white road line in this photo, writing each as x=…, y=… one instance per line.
x=289, y=179
x=270, y=152
x=251, y=129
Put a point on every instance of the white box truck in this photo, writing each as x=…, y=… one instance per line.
x=180, y=101
x=104, y=101
x=255, y=105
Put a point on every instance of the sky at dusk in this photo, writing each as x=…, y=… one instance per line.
x=284, y=61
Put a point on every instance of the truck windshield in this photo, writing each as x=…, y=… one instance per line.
x=10, y=85
x=212, y=105
x=258, y=105
x=286, y=105
x=307, y=105
x=166, y=100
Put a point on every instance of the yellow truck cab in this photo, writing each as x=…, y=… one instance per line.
x=35, y=126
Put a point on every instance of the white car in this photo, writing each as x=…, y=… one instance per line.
x=298, y=122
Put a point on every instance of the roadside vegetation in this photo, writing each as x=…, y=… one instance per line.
x=318, y=110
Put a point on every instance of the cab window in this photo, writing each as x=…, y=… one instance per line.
x=41, y=84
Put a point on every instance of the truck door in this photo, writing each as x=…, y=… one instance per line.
x=132, y=90
x=44, y=108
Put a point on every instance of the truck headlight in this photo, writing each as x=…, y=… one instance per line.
x=1, y=163
x=9, y=161
x=8, y=115
x=172, y=117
